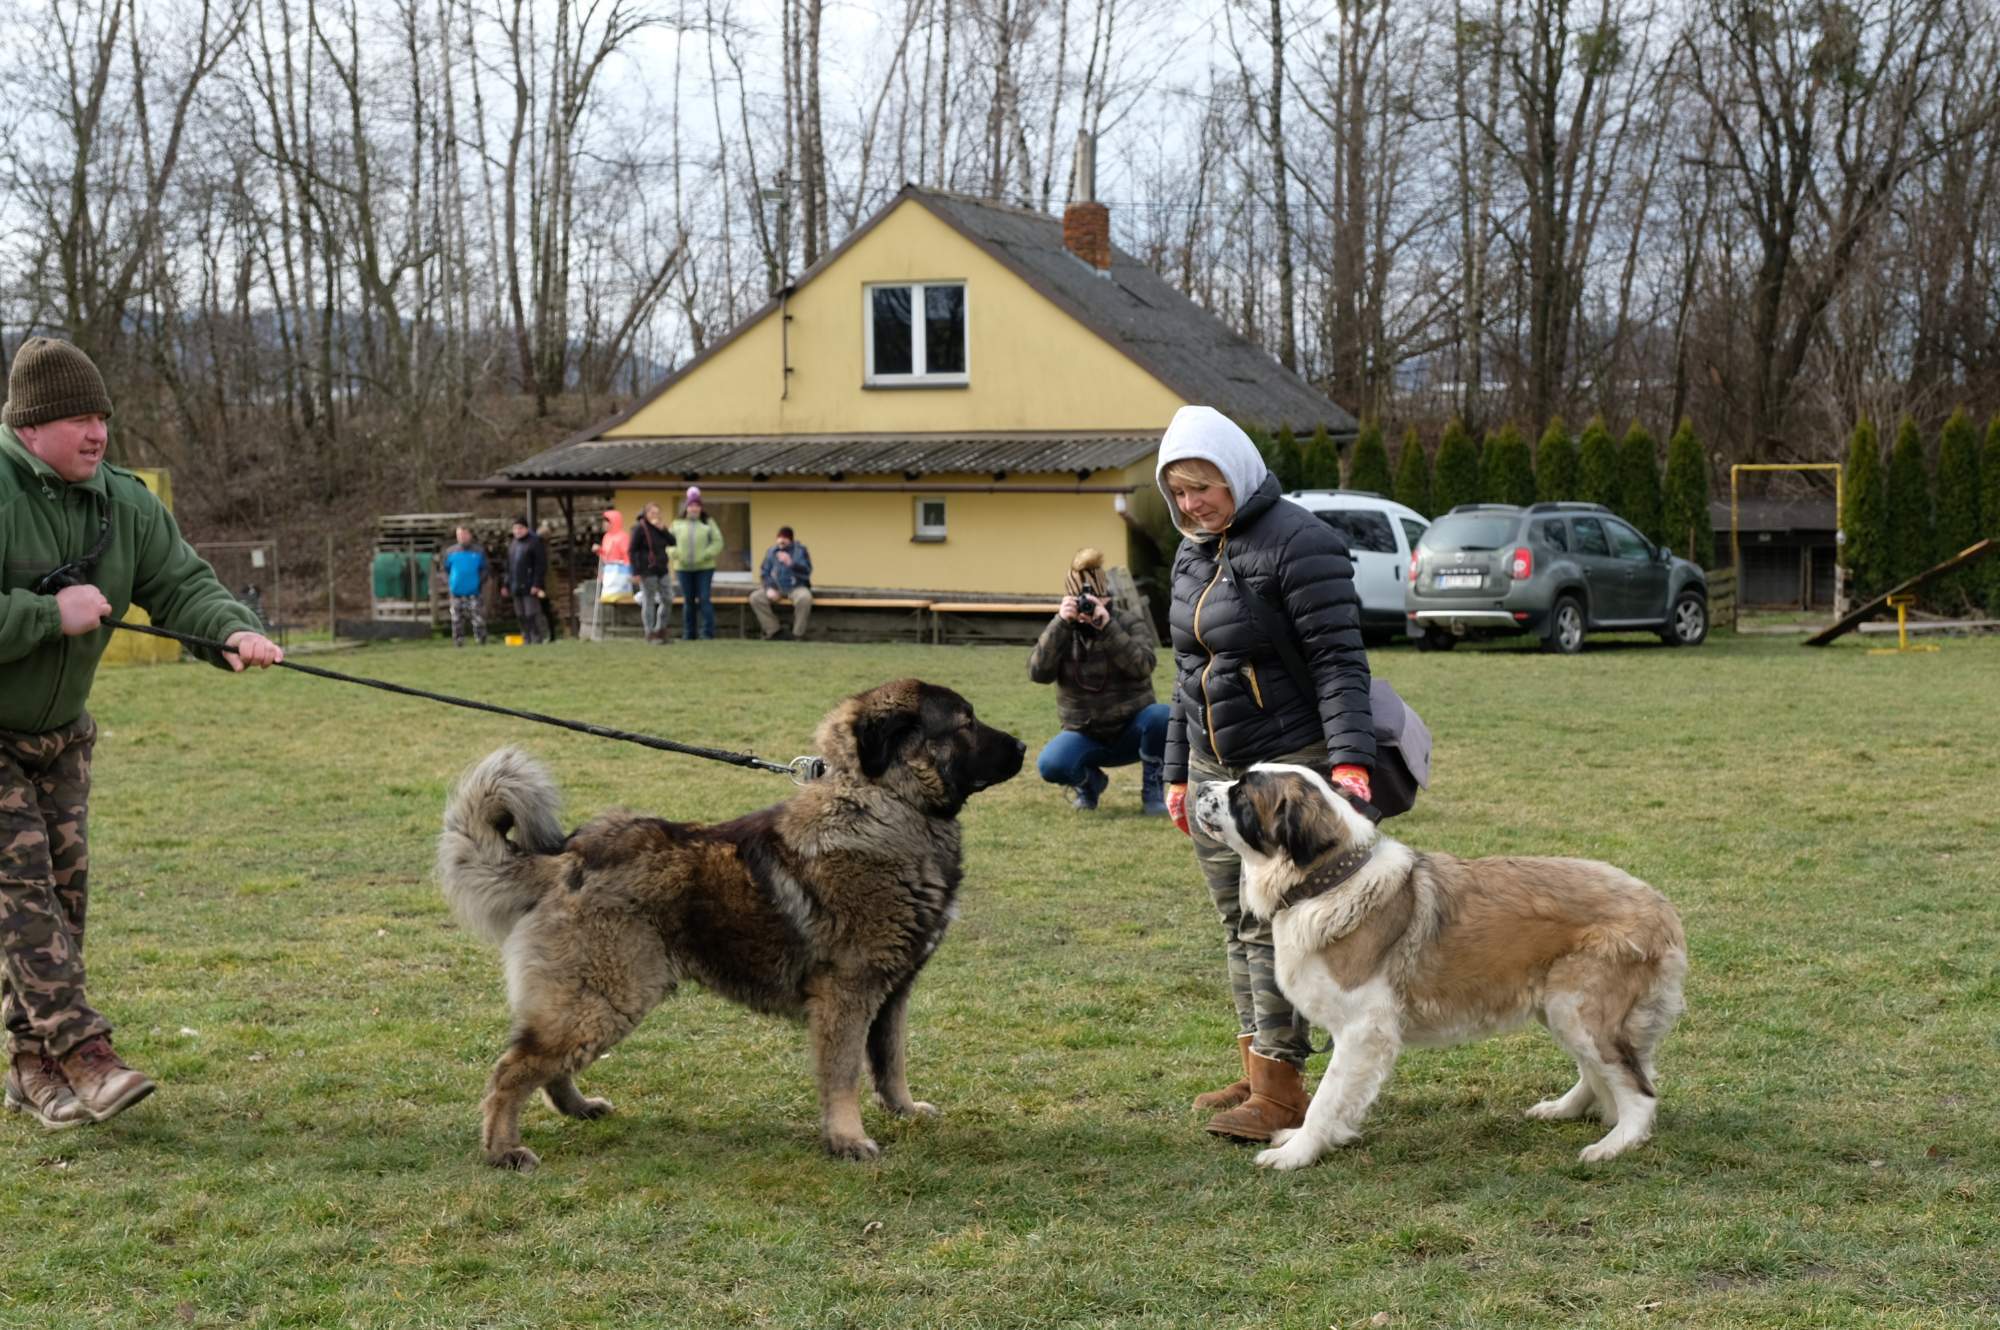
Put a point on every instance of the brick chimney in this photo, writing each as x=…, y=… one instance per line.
x=1086, y=222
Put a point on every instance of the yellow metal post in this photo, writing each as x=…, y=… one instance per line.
x=1902, y=604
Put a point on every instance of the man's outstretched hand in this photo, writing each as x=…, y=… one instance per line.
x=247, y=648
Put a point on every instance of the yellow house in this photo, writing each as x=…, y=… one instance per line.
x=954, y=400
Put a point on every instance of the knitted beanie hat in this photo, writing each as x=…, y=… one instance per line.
x=693, y=494
x=52, y=380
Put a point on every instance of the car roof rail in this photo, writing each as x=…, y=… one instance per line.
x=1359, y=494
x=1486, y=508
x=1567, y=506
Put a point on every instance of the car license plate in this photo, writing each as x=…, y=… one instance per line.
x=1453, y=581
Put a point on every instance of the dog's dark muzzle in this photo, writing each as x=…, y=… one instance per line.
x=997, y=758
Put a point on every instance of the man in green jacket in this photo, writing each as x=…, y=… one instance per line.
x=80, y=541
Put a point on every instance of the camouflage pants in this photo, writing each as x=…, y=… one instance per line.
x=1261, y=1008
x=44, y=883
x=466, y=609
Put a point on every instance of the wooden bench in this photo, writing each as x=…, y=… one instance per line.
x=989, y=620
x=854, y=618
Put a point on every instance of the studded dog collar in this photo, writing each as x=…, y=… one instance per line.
x=1325, y=878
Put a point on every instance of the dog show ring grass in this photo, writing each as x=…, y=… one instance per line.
x=267, y=938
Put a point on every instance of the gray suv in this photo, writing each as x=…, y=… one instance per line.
x=1556, y=570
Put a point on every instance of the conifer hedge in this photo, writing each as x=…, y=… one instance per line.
x=1684, y=518
x=1507, y=468
x=1864, y=514
x=1319, y=468
x=1555, y=464
x=1989, y=513
x=1368, y=465
x=1639, y=482
x=1597, y=466
x=1456, y=480
x=1911, y=538
x=1958, y=497
x=1413, y=474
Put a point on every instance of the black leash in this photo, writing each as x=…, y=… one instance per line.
x=800, y=769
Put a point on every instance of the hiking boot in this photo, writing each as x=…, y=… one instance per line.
x=1083, y=797
x=35, y=1086
x=103, y=1085
x=1229, y=1096
x=1277, y=1100
x=1152, y=790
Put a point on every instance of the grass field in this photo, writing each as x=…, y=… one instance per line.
x=265, y=935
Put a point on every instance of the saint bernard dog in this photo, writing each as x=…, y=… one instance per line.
x=1383, y=945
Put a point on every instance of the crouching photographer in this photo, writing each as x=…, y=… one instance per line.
x=1098, y=651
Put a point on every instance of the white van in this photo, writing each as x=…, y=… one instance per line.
x=1380, y=534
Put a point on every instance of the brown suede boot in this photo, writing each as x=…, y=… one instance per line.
x=103, y=1085
x=1229, y=1096
x=1277, y=1100
x=35, y=1086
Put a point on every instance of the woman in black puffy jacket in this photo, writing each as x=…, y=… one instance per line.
x=1235, y=705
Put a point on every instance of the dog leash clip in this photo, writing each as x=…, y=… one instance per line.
x=807, y=769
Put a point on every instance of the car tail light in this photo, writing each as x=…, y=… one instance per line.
x=1415, y=558
x=1521, y=563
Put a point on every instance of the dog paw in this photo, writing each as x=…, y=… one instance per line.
x=1554, y=1110
x=1283, y=1134
x=1297, y=1154
x=520, y=1159
x=594, y=1108
x=859, y=1147
x=1608, y=1148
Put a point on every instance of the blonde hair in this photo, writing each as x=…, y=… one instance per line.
x=1195, y=473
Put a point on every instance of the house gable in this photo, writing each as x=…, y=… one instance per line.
x=1031, y=364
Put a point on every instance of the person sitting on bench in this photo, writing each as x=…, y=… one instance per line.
x=786, y=575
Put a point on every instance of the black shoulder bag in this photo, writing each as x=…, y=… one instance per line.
x=1402, y=740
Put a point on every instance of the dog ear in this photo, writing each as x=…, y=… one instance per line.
x=1306, y=828
x=878, y=738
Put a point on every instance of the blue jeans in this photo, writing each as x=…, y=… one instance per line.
x=1070, y=757
x=695, y=587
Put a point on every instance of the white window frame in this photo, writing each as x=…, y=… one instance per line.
x=921, y=531
x=919, y=377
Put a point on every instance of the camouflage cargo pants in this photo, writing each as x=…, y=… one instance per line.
x=464, y=610
x=1261, y=1008
x=44, y=884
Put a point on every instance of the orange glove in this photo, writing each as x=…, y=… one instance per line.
x=1177, y=806
x=1353, y=780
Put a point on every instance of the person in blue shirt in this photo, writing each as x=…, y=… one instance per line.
x=465, y=569
x=785, y=575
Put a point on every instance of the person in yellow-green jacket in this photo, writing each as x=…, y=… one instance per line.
x=697, y=546
x=80, y=541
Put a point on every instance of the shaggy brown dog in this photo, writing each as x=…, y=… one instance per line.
x=1383, y=945
x=823, y=907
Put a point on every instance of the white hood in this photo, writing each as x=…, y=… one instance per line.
x=1204, y=432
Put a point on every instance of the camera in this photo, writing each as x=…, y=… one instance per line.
x=1086, y=609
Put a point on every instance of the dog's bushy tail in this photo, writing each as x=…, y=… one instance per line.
x=489, y=880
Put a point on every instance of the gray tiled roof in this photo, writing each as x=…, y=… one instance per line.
x=828, y=455
x=1803, y=514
